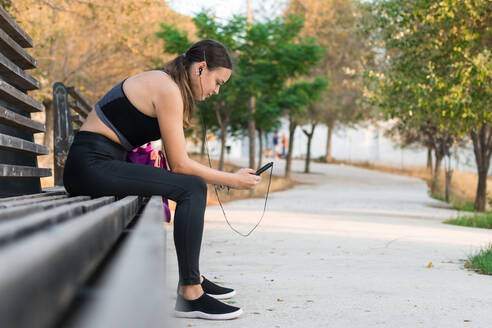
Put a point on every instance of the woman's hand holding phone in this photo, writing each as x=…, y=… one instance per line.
x=245, y=179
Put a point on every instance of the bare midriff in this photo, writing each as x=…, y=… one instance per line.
x=94, y=124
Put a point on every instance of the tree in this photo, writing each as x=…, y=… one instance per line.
x=438, y=69
x=294, y=99
x=408, y=133
x=274, y=55
x=334, y=24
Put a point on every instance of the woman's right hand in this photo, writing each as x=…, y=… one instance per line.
x=246, y=179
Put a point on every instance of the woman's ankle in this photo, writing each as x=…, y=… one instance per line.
x=191, y=292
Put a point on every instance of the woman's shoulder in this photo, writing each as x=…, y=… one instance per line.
x=156, y=81
x=164, y=92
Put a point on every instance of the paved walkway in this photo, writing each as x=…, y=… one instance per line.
x=349, y=249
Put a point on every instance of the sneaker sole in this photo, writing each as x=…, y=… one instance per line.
x=223, y=296
x=203, y=315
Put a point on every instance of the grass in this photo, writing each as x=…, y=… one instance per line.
x=481, y=262
x=458, y=204
x=475, y=220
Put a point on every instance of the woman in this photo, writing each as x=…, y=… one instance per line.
x=149, y=106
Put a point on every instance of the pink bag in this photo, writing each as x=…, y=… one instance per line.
x=147, y=156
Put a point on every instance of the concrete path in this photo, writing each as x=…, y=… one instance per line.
x=349, y=249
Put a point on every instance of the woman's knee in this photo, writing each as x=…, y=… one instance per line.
x=197, y=186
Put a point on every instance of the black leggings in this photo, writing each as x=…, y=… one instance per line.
x=96, y=167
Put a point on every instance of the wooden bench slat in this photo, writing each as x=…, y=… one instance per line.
x=75, y=105
x=21, y=100
x=19, y=171
x=14, y=74
x=17, y=144
x=12, y=230
x=77, y=119
x=21, y=202
x=47, y=192
x=14, y=212
x=85, y=105
x=13, y=51
x=40, y=276
x=11, y=118
x=10, y=26
x=131, y=292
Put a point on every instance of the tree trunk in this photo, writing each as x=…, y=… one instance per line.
x=449, y=175
x=292, y=129
x=204, y=138
x=260, y=152
x=429, y=158
x=481, y=195
x=223, y=137
x=436, y=177
x=328, y=158
x=252, y=132
x=223, y=123
x=308, y=154
x=49, y=122
x=482, y=147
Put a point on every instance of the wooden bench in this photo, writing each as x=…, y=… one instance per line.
x=67, y=261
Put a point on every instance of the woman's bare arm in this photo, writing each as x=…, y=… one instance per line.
x=169, y=110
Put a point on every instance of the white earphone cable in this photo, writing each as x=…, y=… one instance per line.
x=215, y=186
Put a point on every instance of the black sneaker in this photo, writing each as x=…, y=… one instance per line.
x=205, y=307
x=215, y=290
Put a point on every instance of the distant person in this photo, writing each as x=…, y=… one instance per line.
x=154, y=105
x=284, y=145
x=275, y=145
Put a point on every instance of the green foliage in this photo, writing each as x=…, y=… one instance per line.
x=272, y=54
x=228, y=34
x=266, y=55
x=481, y=261
x=437, y=64
x=296, y=97
x=175, y=41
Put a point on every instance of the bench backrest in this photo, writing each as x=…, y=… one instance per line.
x=65, y=99
x=19, y=171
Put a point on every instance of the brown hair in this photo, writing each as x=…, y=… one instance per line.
x=210, y=51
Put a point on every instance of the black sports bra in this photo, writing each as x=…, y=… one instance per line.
x=132, y=127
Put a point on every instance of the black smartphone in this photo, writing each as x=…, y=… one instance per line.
x=264, y=168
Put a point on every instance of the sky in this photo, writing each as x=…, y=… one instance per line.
x=224, y=9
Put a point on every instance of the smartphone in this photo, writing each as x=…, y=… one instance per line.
x=264, y=168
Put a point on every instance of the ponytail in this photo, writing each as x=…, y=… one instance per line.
x=179, y=72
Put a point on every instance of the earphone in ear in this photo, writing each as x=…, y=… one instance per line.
x=200, y=71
